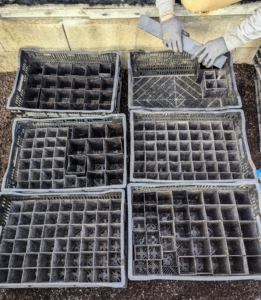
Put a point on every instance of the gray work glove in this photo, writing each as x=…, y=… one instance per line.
x=172, y=29
x=208, y=53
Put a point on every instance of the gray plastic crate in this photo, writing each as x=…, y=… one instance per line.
x=62, y=155
x=257, y=62
x=55, y=240
x=66, y=84
x=172, y=81
x=194, y=232
x=189, y=146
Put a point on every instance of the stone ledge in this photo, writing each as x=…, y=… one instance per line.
x=15, y=11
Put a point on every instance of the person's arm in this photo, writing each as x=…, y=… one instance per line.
x=248, y=30
x=171, y=27
x=165, y=7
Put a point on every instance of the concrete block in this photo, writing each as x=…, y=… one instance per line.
x=45, y=34
x=145, y=41
x=8, y=61
x=116, y=34
x=244, y=55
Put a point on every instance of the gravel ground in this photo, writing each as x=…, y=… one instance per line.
x=165, y=290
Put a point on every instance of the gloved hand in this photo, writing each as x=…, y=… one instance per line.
x=172, y=29
x=208, y=53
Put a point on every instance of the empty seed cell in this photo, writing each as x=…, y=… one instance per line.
x=215, y=229
x=197, y=213
x=153, y=237
x=183, y=230
x=199, y=229
x=203, y=265
x=184, y=247
x=166, y=228
x=248, y=229
x=17, y=261
x=74, y=245
x=208, y=145
x=252, y=246
x=229, y=212
x=58, y=275
x=76, y=165
x=238, y=265
x=242, y=197
x=213, y=212
x=218, y=246
x=151, y=224
x=64, y=82
x=19, y=246
x=169, y=264
x=201, y=247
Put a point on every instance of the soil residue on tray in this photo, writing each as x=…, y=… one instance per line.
x=160, y=290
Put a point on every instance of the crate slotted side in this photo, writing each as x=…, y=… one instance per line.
x=194, y=232
x=64, y=84
x=192, y=146
x=170, y=81
x=53, y=240
x=257, y=64
x=64, y=155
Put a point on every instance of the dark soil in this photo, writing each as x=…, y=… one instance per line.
x=165, y=290
x=246, y=87
x=90, y=2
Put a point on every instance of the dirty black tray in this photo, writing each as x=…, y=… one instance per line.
x=58, y=240
x=198, y=232
x=172, y=81
x=64, y=84
x=67, y=154
x=189, y=146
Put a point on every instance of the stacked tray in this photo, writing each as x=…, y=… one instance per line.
x=172, y=81
x=64, y=84
x=194, y=232
x=59, y=240
x=64, y=155
x=194, y=202
x=189, y=146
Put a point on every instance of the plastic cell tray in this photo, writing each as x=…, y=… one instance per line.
x=170, y=81
x=62, y=84
x=53, y=240
x=194, y=232
x=67, y=154
x=189, y=146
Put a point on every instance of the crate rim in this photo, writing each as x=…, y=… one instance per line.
x=26, y=191
x=244, y=137
x=184, y=277
x=41, y=50
x=134, y=107
x=124, y=281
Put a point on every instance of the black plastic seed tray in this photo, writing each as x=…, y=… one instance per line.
x=64, y=84
x=172, y=81
x=194, y=232
x=67, y=154
x=189, y=146
x=55, y=240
